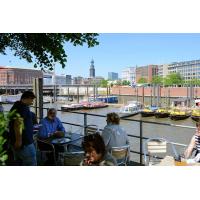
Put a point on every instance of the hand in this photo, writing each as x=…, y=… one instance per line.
x=59, y=134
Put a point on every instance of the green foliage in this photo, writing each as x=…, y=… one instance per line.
x=193, y=82
x=142, y=80
x=157, y=80
x=4, y=122
x=104, y=83
x=118, y=82
x=173, y=79
x=44, y=49
x=125, y=82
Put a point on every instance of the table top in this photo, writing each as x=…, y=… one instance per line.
x=169, y=161
x=68, y=139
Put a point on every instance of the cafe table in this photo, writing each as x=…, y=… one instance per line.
x=169, y=161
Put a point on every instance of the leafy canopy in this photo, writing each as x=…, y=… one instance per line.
x=44, y=49
x=173, y=79
x=142, y=80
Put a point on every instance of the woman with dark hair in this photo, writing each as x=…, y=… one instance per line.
x=113, y=134
x=95, y=152
x=194, y=144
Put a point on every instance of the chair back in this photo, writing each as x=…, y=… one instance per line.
x=121, y=154
x=91, y=129
x=155, y=149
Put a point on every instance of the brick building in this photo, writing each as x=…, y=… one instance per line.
x=11, y=75
x=146, y=72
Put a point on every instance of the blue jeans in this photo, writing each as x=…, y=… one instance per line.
x=26, y=156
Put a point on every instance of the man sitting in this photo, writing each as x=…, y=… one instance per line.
x=51, y=126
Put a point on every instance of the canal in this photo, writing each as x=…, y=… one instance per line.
x=175, y=134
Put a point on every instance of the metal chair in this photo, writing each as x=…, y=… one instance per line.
x=91, y=129
x=46, y=148
x=155, y=149
x=121, y=154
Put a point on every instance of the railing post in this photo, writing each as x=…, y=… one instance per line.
x=141, y=142
x=85, y=123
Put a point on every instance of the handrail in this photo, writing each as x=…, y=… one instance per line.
x=140, y=137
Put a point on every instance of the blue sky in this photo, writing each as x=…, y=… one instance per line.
x=119, y=50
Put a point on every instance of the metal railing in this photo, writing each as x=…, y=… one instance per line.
x=140, y=137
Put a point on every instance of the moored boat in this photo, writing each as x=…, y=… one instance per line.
x=148, y=111
x=179, y=114
x=162, y=113
x=195, y=115
x=93, y=105
x=71, y=107
x=131, y=109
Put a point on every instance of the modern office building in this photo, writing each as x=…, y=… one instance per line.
x=12, y=75
x=78, y=80
x=147, y=72
x=68, y=79
x=129, y=74
x=92, y=69
x=112, y=76
x=188, y=69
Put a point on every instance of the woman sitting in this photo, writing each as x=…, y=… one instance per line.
x=194, y=144
x=113, y=134
x=95, y=152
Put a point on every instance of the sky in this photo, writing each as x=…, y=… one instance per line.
x=117, y=51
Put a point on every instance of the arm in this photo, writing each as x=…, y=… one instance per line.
x=43, y=132
x=106, y=135
x=18, y=126
x=60, y=126
x=190, y=148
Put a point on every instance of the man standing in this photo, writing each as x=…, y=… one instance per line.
x=21, y=131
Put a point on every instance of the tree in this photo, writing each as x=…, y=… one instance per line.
x=173, y=79
x=157, y=80
x=125, y=82
x=193, y=82
x=104, y=83
x=44, y=49
x=142, y=80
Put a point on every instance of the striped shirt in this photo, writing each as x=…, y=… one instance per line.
x=197, y=142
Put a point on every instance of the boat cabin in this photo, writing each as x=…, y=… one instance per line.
x=180, y=102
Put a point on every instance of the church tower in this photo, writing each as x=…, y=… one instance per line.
x=92, y=69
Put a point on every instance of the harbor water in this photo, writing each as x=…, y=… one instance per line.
x=174, y=134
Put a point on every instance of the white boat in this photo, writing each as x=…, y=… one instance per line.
x=131, y=109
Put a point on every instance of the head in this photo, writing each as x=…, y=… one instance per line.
x=113, y=118
x=27, y=98
x=198, y=126
x=94, y=147
x=51, y=114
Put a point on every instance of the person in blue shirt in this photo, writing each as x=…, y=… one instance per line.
x=51, y=126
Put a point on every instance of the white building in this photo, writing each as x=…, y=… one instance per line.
x=163, y=70
x=188, y=69
x=129, y=74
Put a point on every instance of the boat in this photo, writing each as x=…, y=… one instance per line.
x=131, y=109
x=72, y=107
x=179, y=113
x=149, y=111
x=93, y=105
x=107, y=99
x=195, y=115
x=162, y=113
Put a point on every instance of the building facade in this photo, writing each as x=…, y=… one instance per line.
x=11, y=75
x=163, y=70
x=92, y=69
x=129, y=74
x=112, y=76
x=78, y=80
x=147, y=72
x=68, y=79
x=188, y=69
